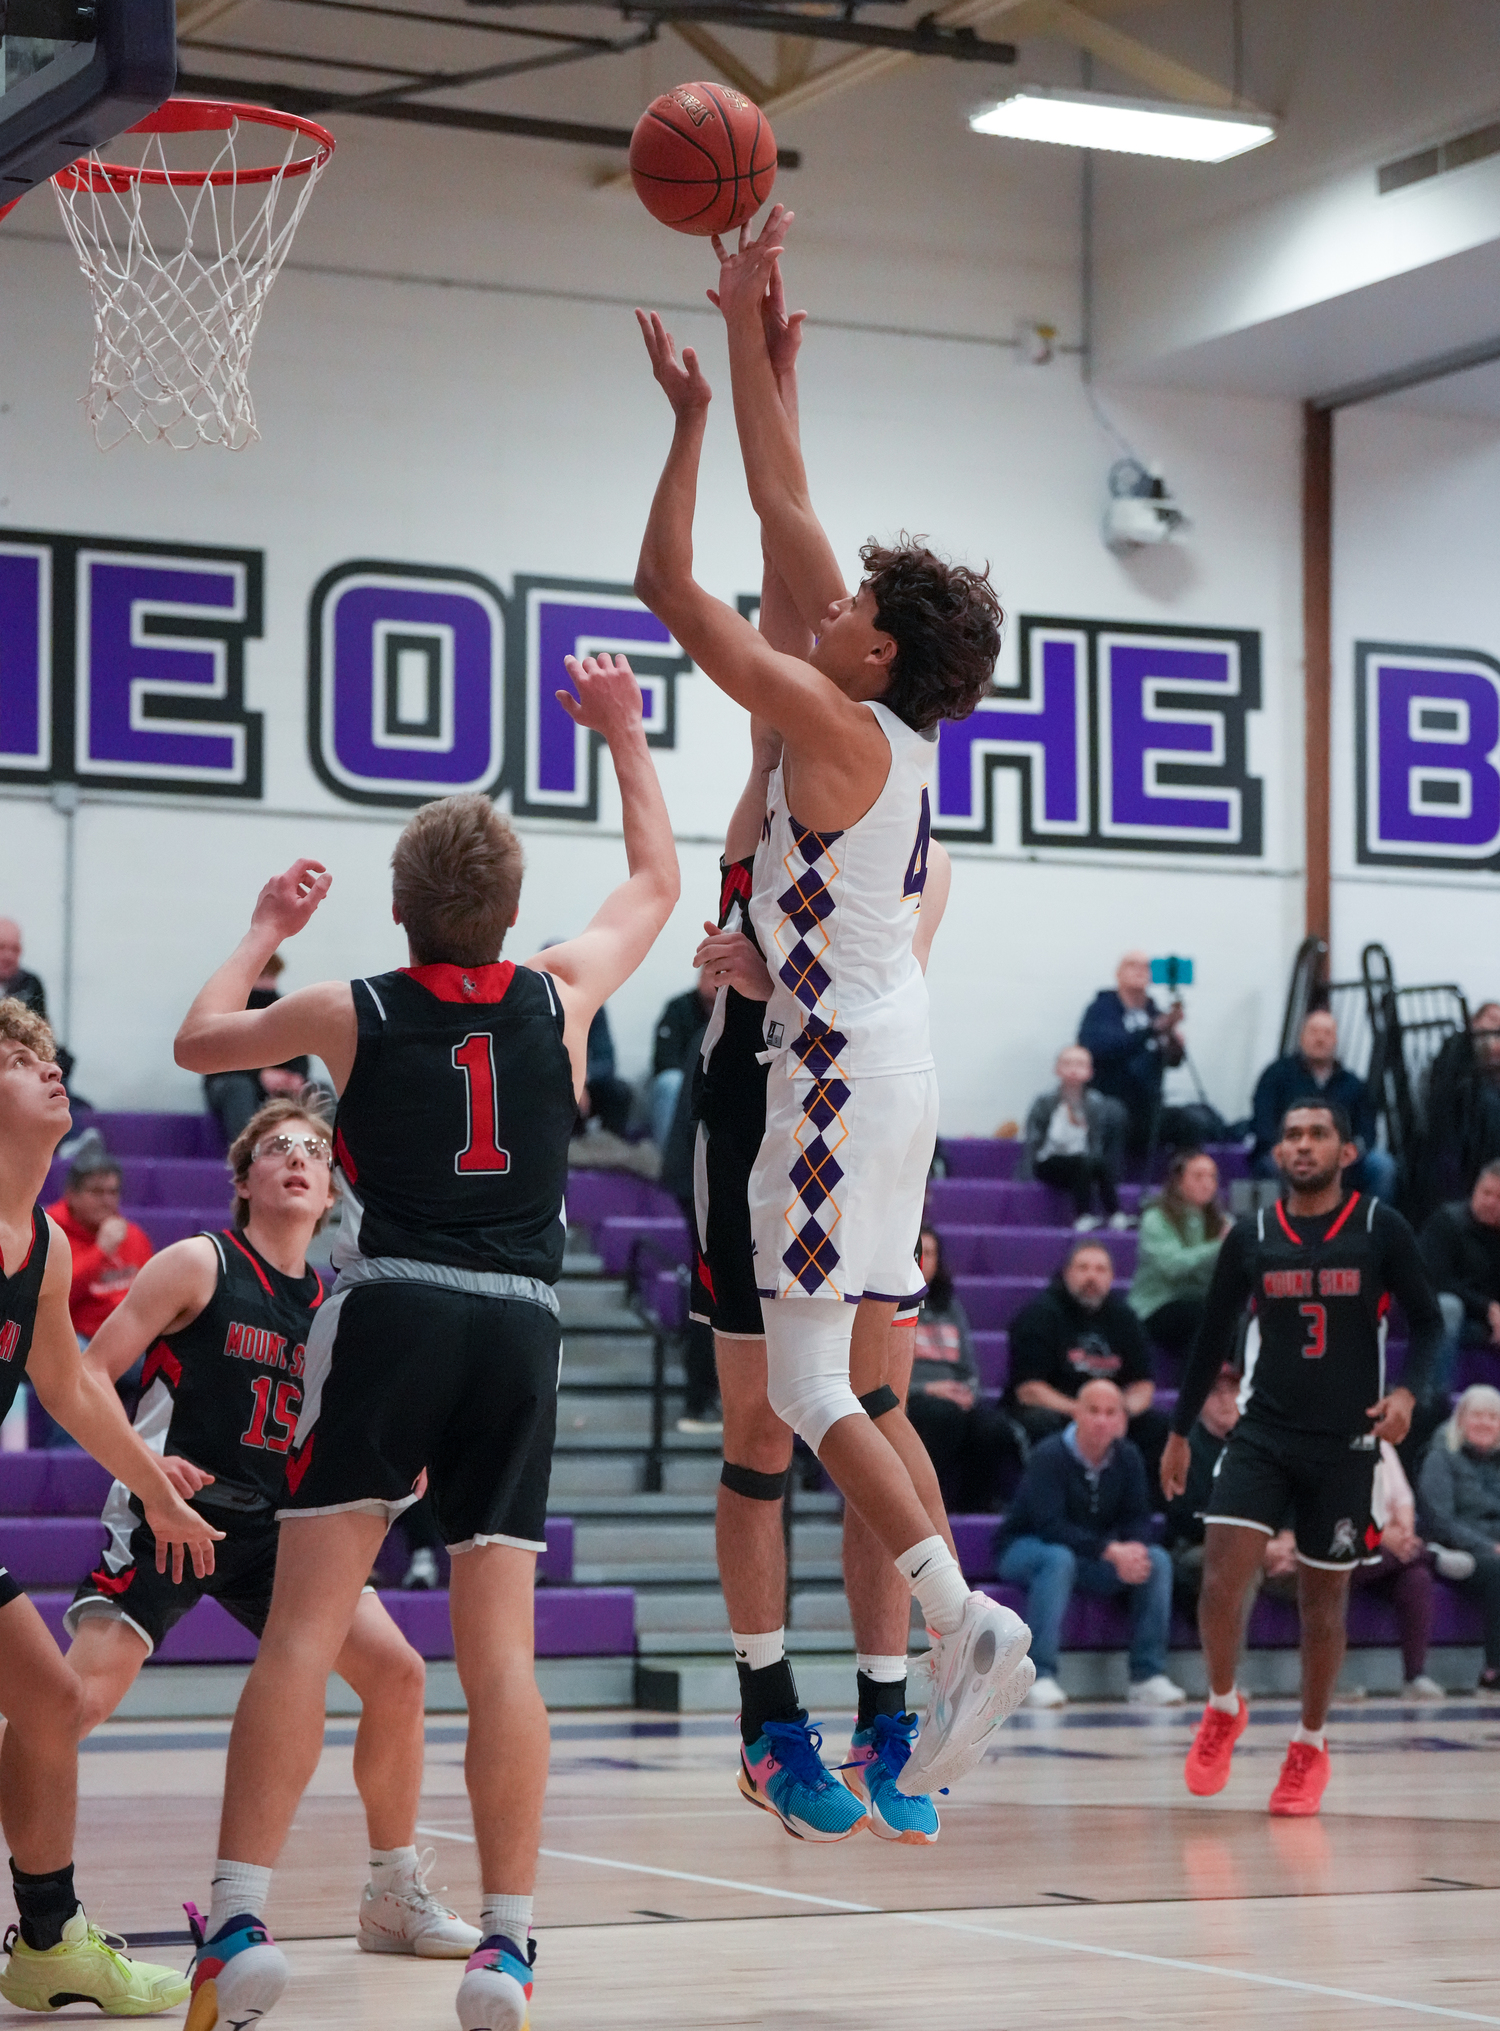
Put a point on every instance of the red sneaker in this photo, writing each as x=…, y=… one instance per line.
x=1207, y=1766
x=1303, y=1780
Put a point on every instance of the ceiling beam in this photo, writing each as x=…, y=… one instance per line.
x=724, y=61
x=871, y=64
x=1135, y=59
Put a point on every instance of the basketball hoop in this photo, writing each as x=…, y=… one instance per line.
x=180, y=263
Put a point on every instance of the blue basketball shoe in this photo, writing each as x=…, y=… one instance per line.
x=877, y=1756
x=237, y=1976
x=495, y=1993
x=782, y=1772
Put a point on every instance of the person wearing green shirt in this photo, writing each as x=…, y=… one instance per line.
x=1180, y=1235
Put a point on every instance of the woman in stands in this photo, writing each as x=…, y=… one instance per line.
x=56, y=1955
x=1179, y=1244
x=1460, y=1498
x=223, y=1320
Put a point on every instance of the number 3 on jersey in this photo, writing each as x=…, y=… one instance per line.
x=1315, y=1346
x=475, y=1058
x=916, y=867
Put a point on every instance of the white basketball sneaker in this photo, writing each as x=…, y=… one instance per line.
x=980, y=1675
x=409, y=1919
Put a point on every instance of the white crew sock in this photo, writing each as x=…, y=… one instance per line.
x=882, y=1670
x=1316, y=1738
x=238, y=1888
x=1225, y=1702
x=391, y=1867
x=510, y=1915
x=932, y=1573
x=758, y=1651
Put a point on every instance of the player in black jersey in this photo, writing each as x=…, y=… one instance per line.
x=58, y=1954
x=222, y=1320
x=1319, y=1270
x=438, y=1351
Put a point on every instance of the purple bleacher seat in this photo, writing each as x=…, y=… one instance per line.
x=615, y=1238
x=585, y=1622
x=974, y=1541
x=992, y=1358
x=154, y=1135
x=593, y=1196
x=1007, y=1202
x=165, y=1224
x=49, y=1551
x=993, y=1301
x=1478, y=1364
x=1232, y=1158
x=64, y=1482
x=981, y=1156
x=1026, y=1251
x=665, y=1296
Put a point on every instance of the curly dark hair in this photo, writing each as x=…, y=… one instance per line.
x=945, y=620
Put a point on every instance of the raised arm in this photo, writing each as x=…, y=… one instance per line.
x=219, y=1034
x=87, y=1408
x=588, y=968
x=750, y=296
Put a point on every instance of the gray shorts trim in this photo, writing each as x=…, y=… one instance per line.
x=497, y=1537
x=367, y=1505
x=1242, y=1523
x=479, y=1283
x=95, y=1608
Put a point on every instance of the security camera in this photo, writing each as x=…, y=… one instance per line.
x=1141, y=509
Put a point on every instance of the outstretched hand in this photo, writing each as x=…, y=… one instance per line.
x=287, y=901
x=608, y=698
x=745, y=275
x=681, y=380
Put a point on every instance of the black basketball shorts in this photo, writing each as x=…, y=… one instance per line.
x=1325, y=1485
x=10, y=1588
x=724, y=1294
x=153, y=1603
x=416, y=1375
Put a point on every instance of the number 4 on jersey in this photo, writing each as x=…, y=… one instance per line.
x=916, y=867
x=475, y=1058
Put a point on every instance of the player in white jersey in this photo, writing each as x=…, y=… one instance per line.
x=851, y=1114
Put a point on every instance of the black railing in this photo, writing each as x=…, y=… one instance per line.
x=642, y=1249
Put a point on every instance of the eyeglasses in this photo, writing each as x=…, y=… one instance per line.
x=319, y=1149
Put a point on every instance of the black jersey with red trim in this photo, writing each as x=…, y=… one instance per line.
x=20, y=1293
x=729, y=1082
x=224, y=1392
x=452, y=1133
x=1320, y=1289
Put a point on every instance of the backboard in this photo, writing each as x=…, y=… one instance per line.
x=73, y=74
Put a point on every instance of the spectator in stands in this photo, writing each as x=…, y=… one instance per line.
x=1181, y=1231
x=1460, y=1495
x=1184, y=1536
x=680, y=1027
x=1075, y=1140
x=1077, y=1331
x=971, y=1441
x=232, y=1097
x=605, y=1098
x=1462, y=1103
x=1403, y=1574
x=1132, y=1042
x=107, y=1250
x=17, y=984
x=1313, y=1072
x=1461, y=1247
x=1082, y=1518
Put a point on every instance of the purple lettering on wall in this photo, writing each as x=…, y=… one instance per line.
x=25, y=661
x=1040, y=730
x=1427, y=726
x=405, y=695
x=159, y=671
x=1161, y=707
x=564, y=617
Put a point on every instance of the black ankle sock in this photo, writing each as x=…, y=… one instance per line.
x=769, y=1694
x=45, y=1903
x=879, y=1696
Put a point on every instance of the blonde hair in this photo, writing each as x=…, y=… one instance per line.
x=1478, y=1396
x=456, y=880
x=22, y=1025
x=309, y=1106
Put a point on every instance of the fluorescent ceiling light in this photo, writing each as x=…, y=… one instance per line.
x=1127, y=126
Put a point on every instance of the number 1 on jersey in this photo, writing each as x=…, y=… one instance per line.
x=475, y=1058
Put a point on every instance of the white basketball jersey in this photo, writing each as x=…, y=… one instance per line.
x=835, y=913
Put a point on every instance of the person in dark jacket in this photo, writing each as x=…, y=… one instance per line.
x=679, y=1035
x=1132, y=1042
x=971, y=1441
x=1077, y=1331
x=1075, y=1140
x=1313, y=1072
x=18, y=983
x=1082, y=1518
x=1459, y=1495
x=1460, y=1245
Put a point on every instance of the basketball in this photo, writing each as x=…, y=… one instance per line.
x=703, y=159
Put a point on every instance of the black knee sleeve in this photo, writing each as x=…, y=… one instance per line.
x=876, y=1402
x=758, y=1487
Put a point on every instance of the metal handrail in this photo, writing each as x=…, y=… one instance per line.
x=644, y=1245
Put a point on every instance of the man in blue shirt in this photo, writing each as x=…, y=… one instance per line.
x=1133, y=1042
x=1313, y=1072
x=1082, y=1518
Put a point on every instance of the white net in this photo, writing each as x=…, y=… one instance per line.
x=180, y=268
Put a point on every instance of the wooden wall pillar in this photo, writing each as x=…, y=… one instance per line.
x=1317, y=635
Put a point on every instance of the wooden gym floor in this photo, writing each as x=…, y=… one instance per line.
x=1075, y=1880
